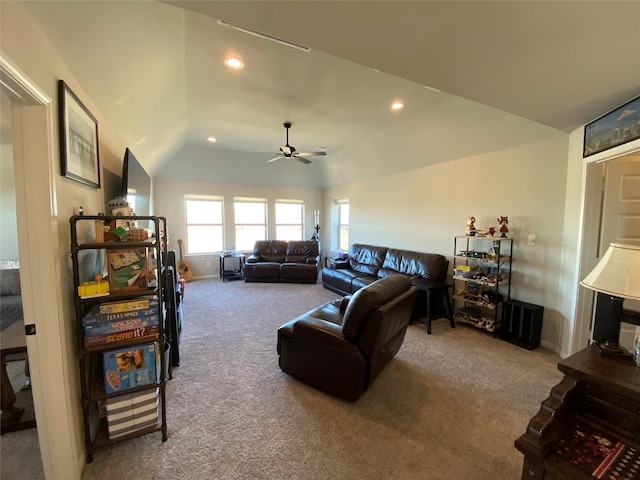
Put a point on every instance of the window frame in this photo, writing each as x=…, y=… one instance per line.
x=302, y=214
x=340, y=225
x=213, y=199
x=264, y=202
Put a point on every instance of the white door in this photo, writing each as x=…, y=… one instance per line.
x=621, y=217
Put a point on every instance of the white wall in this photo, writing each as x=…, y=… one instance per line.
x=218, y=165
x=424, y=209
x=169, y=202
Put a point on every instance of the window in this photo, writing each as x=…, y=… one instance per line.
x=131, y=199
x=343, y=224
x=289, y=216
x=251, y=222
x=204, y=224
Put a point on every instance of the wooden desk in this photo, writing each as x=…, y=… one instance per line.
x=17, y=409
x=601, y=394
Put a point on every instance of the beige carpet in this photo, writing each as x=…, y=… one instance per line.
x=449, y=406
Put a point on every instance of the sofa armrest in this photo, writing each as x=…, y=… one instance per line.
x=344, y=302
x=312, y=261
x=326, y=334
x=252, y=259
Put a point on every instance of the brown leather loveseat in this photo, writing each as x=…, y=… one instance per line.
x=342, y=346
x=295, y=261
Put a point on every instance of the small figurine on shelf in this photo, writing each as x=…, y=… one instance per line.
x=492, y=230
x=503, y=226
x=471, y=228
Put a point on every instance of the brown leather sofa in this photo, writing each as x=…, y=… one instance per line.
x=281, y=261
x=342, y=346
x=368, y=263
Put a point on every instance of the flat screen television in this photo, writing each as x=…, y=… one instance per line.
x=136, y=185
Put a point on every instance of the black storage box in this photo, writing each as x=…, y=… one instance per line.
x=522, y=324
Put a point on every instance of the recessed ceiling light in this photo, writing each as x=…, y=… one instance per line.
x=211, y=139
x=397, y=106
x=234, y=62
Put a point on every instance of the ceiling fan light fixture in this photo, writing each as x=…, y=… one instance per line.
x=212, y=139
x=397, y=105
x=234, y=62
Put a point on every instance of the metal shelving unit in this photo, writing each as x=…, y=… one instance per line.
x=481, y=280
x=90, y=360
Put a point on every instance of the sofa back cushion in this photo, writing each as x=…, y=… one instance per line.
x=9, y=281
x=270, y=250
x=367, y=299
x=366, y=258
x=415, y=264
x=298, y=251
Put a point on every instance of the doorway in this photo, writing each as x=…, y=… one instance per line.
x=612, y=214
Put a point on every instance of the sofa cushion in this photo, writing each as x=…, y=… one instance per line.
x=368, y=298
x=340, y=280
x=10, y=281
x=366, y=258
x=270, y=250
x=301, y=250
x=262, y=270
x=298, y=271
x=424, y=265
x=361, y=282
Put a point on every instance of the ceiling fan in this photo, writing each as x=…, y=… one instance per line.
x=288, y=151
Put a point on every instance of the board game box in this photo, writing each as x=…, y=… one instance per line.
x=143, y=303
x=130, y=367
x=127, y=269
x=114, y=338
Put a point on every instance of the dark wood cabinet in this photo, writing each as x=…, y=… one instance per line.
x=590, y=422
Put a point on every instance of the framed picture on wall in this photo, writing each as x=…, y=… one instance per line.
x=78, y=139
x=615, y=128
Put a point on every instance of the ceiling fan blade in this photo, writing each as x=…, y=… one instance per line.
x=302, y=160
x=312, y=154
x=274, y=159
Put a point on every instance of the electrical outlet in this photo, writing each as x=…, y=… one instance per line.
x=531, y=240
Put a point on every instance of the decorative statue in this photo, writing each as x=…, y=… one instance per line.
x=471, y=228
x=503, y=226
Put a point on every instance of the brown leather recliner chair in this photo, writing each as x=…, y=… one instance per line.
x=342, y=346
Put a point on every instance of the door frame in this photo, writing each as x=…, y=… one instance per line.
x=41, y=267
x=590, y=236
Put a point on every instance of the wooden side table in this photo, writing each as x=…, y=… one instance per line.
x=431, y=286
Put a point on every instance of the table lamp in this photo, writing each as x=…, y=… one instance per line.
x=615, y=277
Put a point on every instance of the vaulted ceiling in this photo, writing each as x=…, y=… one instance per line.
x=155, y=69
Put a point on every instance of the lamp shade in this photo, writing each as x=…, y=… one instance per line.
x=617, y=273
